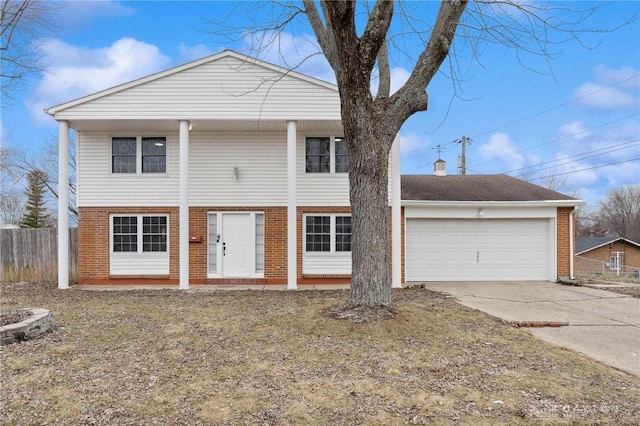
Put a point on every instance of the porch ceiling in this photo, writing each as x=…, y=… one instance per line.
x=205, y=125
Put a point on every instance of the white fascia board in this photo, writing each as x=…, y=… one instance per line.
x=496, y=204
x=226, y=53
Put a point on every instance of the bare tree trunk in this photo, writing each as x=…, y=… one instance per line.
x=369, y=142
x=368, y=190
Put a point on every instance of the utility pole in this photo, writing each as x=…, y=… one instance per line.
x=462, y=160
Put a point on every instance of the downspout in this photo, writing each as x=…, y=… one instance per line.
x=571, y=243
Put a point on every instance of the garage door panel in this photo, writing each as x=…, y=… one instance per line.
x=477, y=250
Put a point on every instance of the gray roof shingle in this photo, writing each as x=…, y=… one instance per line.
x=585, y=243
x=475, y=188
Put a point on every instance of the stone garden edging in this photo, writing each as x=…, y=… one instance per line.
x=40, y=322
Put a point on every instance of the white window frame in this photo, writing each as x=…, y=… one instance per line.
x=131, y=263
x=140, y=232
x=332, y=155
x=332, y=240
x=139, y=138
x=615, y=263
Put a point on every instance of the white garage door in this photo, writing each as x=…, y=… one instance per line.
x=477, y=250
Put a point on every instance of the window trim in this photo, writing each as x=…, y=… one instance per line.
x=139, y=234
x=332, y=238
x=615, y=263
x=332, y=155
x=139, y=166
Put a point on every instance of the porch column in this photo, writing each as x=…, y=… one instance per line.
x=292, y=254
x=63, y=204
x=184, y=205
x=396, y=234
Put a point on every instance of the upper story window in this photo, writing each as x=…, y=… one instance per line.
x=326, y=155
x=145, y=154
x=342, y=156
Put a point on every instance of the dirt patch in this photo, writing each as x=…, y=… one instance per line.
x=247, y=357
x=630, y=291
x=12, y=317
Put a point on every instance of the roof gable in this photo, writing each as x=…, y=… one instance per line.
x=227, y=85
x=586, y=243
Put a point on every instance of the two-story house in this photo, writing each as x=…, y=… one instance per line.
x=250, y=158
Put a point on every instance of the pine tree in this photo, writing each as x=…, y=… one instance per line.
x=36, y=214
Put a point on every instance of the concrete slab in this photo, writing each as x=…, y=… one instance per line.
x=601, y=324
x=209, y=287
x=611, y=345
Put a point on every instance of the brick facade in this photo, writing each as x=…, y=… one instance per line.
x=94, y=246
x=563, y=246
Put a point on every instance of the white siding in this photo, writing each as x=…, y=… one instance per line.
x=319, y=189
x=327, y=263
x=139, y=264
x=97, y=186
x=226, y=88
x=262, y=164
x=261, y=159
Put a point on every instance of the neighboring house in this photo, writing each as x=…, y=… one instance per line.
x=251, y=159
x=606, y=255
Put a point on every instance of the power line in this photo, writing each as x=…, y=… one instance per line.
x=582, y=170
x=606, y=123
x=569, y=162
x=606, y=150
x=558, y=106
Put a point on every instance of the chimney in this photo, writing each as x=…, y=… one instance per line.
x=440, y=167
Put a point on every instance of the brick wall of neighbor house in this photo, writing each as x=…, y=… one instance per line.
x=563, y=246
x=94, y=248
x=594, y=261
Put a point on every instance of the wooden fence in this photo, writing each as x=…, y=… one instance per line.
x=28, y=254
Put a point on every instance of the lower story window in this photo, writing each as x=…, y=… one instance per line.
x=140, y=233
x=327, y=233
x=615, y=263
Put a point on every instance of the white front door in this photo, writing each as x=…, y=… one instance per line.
x=237, y=243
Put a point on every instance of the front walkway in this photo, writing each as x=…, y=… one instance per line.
x=207, y=287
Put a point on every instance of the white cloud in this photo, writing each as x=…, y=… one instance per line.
x=628, y=76
x=501, y=147
x=300, y=53
x=76, y=71
x=399, y=77
x=574, y=130
x=192, y=53
x=75, y=14
x=611, y=89
x=411, y=142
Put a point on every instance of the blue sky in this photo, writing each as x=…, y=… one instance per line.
x=576, y=116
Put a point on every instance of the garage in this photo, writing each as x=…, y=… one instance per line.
x=477, y=249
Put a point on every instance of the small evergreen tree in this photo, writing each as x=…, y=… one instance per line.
x=36, y=214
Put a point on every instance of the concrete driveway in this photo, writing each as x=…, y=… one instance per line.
x=600, y=324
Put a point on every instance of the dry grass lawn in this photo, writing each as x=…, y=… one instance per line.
x=240, y=357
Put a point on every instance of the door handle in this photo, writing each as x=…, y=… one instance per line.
x=224, y=249
x=477, y=257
